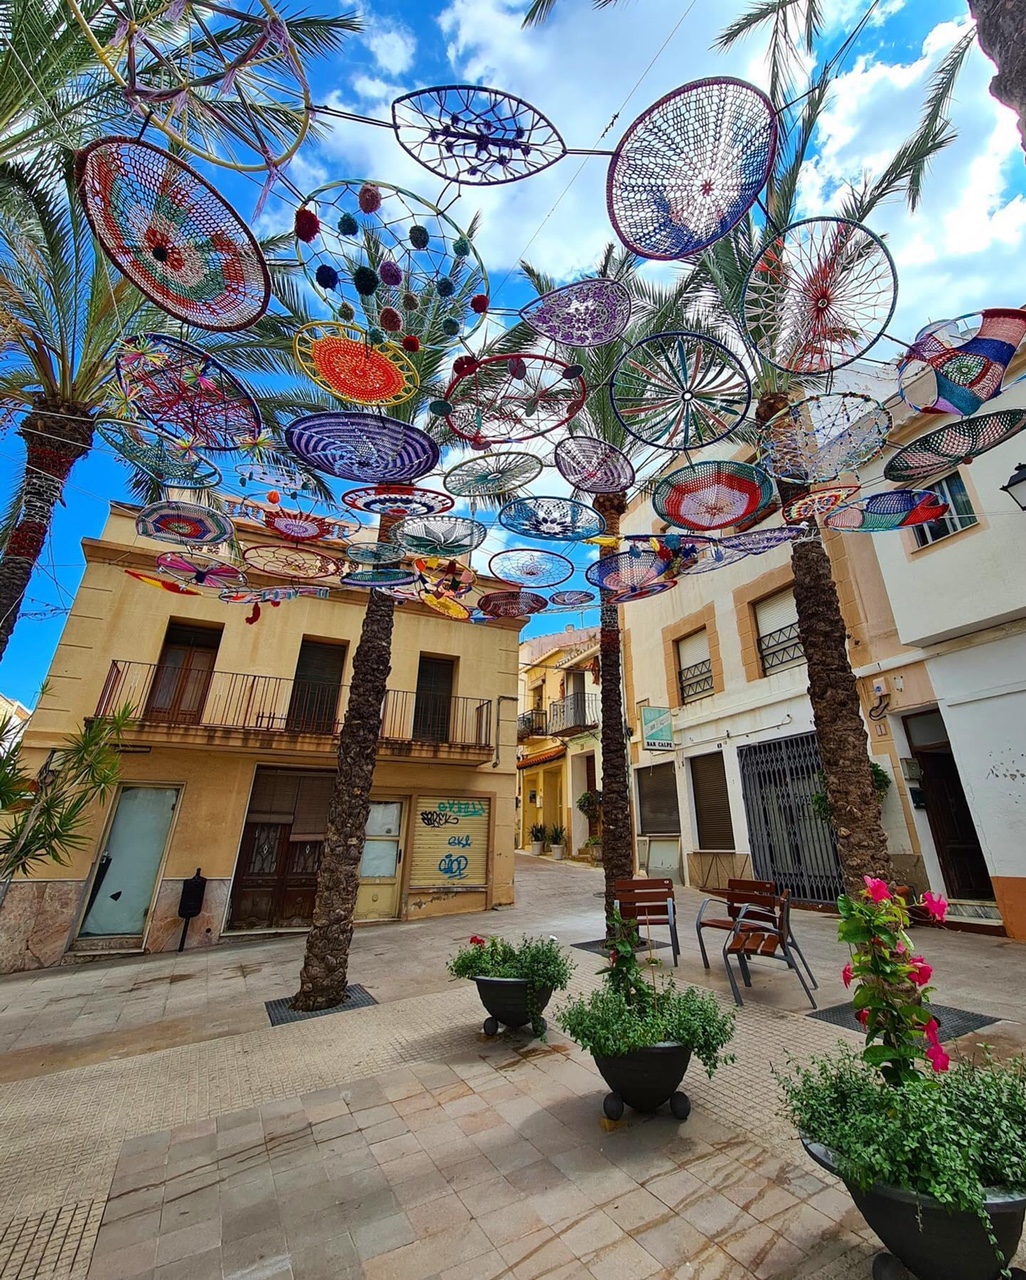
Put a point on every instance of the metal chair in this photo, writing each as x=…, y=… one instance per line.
x=752, y=938
x=761, y=895
x=649, y=901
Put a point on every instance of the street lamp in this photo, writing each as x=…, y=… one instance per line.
x=1016, y=486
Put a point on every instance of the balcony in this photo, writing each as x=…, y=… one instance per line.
x=532, y=724
x=695, y=681
x=191, y=706
x=578, y=713
x=782, y=648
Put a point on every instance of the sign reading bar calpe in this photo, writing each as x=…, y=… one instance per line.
x=657, y=728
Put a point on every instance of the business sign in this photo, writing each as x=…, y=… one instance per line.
x=657, y=728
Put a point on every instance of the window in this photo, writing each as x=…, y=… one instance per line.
x=182, y=678
x=657, y=800
x=960, y=512
x=313, y=703
x=694, y=670
x=712, y=803
x=776, y=621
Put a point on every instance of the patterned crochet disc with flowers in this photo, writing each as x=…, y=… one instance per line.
x=571, y=599
x=398, y=500
x=297, y=526
x=823, y=436
x=712, y=495
x=184, y=522
x=511, y=604
x=679, y=390
x=367, y=448
x=491, y=474
x=475, y=136
x=172, y=235
x=820, y=502
x=185, y=392
x=626, y=570
x=200, y=571
x=530, y=567
x=440, y=577
x=655, y=588
x=558, y=519
x=288, y=560
x=690, y=167
x=341, y=359
x=955, y=366
x=587, y=313
x=884, y=512
x=506, y=399
x=819, y=295
x=447, y=536
x=169, y=462
x=393, y=261
x=593, y=466
x=945, y=448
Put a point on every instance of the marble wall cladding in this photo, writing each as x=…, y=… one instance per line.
x=165, y=927
x=36, y=920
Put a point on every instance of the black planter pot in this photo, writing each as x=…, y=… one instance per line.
x=506, y=1002
x=645, y=1079
x=927, y=1241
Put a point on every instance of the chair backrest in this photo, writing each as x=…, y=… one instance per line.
x=645, y=900
x=761, y=902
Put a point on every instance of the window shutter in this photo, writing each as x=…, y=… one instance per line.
x=312, y=806
x=776, y=612
x=320, y=663
x=274, y=796
x=712, y=804
x=657, y=800
x=693, y=649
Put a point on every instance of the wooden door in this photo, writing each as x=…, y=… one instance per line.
x=259, y=879
x=180, y=685
x=434, y=700
x=951, y=823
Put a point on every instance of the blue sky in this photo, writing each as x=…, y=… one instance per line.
x=964, y=250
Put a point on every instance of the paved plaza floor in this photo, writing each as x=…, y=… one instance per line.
x=153, y=1123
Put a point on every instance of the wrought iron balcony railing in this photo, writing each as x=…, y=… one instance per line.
x=187, y=697
x=574, y=714
x=695, y=681
x=782, y=648
x=532, y=724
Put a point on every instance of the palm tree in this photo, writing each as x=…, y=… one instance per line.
x=999, y=30
x=63, y=311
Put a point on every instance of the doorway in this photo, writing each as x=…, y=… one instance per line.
x=434, y=699
x=183, y=675
x=378, y=895
x=951, y=821
x=313, y=701
x=122, y=890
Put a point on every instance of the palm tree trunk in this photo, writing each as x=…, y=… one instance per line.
x=617, y=843
x=323, y=979
x=999, y=29
x=56, y=435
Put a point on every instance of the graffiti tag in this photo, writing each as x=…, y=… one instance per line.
x=465, y=808
x=458, y=842
x=453, y=866
x=431, y=818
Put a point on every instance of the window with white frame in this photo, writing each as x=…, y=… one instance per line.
x=776, y=622
x=694, y=669
x=960, y=514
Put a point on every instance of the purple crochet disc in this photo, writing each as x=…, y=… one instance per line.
x=365, y=447
x=593, y=465
x=587, y=313
x=570, y=599
x=530, y=567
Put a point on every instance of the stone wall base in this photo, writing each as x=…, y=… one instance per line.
x=165, y=927
x=36, y=920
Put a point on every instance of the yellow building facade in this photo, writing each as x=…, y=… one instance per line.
x=228, y=767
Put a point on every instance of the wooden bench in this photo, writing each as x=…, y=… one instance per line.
x=648, y=902
x=753, y=938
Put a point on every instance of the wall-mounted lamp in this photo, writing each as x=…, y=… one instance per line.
x=1016, y=486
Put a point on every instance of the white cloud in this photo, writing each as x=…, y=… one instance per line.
x=374, y=90
x=392, y=46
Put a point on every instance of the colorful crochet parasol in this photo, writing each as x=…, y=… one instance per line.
x=364, y=447
x=883, y=512
x=690, y=167
x=757, y=542
x=184, y=391
x=955, y=366
x=398, y=500
x=530, y=567
x=170, y=463
x=571, y=599
x=172, y=235
x=593, y=466
x=379, y=575
x=511, y=604
x=506, y=399
x=475, y=136
x=655, y=588
x=297, y=526
x=445, y=536
x=491, y=474
x=818, y=502
x=289, y=480
x=342, y=359
x=558, y=519
x=184, y=522
x=823, y=436
x=446, y=606
x=274, y=595
x=393, y=261
x=200, y=571
x=587, y=313
x=712, y=495
x=626, y=570
x=150, y=581
x=679, y=390
x=374, y=553
x=287, y=560
x=945, y=448
x=819, y=295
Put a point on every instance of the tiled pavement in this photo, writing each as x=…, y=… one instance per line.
x=396, y=1141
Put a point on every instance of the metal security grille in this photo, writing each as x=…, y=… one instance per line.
x=695, y=681
x=790, y=844
x=781, y=648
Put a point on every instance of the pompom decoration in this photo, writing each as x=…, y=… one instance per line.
x=479, y=304
x=366, y=280
x=375, y=336
x=409, y=302
x=390, y=319
x=326, y=277
x=346, y=312
x=461, y=247
x=347, y=225
x=419, y=236
x=369, y=198
x=450, y=328
x=517, y=368
x=391, y=274
x=464, y=365
x=445, y=287
x=411, y=343
x=307, y=225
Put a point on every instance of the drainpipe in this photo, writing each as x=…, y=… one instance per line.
x=505, y=697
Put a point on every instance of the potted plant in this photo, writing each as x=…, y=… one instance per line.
x=557, y=841
x=538, y=833
x=933, y=1156
x=515, y=983
x=594, y=846
x=590, y=804
x=642, y=1034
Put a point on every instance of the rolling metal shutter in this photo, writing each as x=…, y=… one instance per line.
x=450, y=841
x=657, y=800
x=776, y=612
x=712, y=803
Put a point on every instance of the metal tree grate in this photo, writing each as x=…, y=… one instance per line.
x=280, y=1012
x=952, y=1022
x=598, y=945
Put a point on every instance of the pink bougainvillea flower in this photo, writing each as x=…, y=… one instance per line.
x=846, y=974
x=863, y=1016
x=930, y=1031
x=876, y=889
x=900, y=949
x=936, y=905
x=921, y=971
x=477, y=940
x=612, y=957
x=939, y=1060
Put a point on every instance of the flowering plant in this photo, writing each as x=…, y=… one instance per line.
x=540, y=962
x=892, y=990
